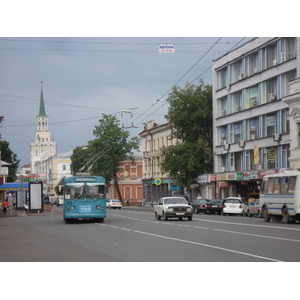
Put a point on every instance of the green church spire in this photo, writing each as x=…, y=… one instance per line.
x=42, y=105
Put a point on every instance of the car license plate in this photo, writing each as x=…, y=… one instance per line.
x=214, y=206
x=232, y=206
x=179, y=214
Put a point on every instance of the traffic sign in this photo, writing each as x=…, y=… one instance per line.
x=157, y=181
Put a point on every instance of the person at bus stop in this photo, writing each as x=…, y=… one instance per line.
x=26, y=208
x=5, y=206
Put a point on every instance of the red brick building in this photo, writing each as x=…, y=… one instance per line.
x=130, y=181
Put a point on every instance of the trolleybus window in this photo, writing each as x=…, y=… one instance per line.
x=94, y=191
x=74, y=191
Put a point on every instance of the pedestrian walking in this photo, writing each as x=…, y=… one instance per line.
x=5, y=206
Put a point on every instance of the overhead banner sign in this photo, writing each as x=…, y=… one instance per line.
x=166, y=48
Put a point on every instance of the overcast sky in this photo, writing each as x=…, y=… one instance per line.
x=114, y=66
x=84, y=78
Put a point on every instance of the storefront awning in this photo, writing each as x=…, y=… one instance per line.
x=13, y=186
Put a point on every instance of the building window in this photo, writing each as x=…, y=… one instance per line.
x=223, y=106
x=223, y=135
x=250, y=160
x=269, y=56
x=285, y=79
x=236, y=71
x=285, y=156
x=251, y=97
x=285, y=121
x=222, y=78
x=288, y=49
x=270, y=123
x=252, y=129
x=270, y=158
x=64, y=167
x=236, y=102
x=236, y=132
x=223, y=163
x=269, y=90
x=252, y=64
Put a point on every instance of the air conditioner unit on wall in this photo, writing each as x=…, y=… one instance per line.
x=271, y=97
x=223, y=169
x=224, y=112
x=242, y=144
x=276, y=137
x=226, y=146
x=274, y=62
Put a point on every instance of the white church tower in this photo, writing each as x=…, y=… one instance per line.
x=42, y=147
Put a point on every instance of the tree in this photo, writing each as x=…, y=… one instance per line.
x=102, y=155
x=190, y=115
x=10, y=157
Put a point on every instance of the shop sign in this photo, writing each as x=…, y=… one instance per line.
x=246, y=175
x=231, y=176
x=166, y=48
x=221, y=176
x=223, y=184
x=253, y=175
x=212, y=177
x=202, y=179
x=239, y=176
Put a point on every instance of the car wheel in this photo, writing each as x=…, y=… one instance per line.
x=190, y=218
x=165, y=217
x=248, y=213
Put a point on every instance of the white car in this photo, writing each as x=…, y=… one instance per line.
x=173, y=207
x=235, y=205
x=113, y=203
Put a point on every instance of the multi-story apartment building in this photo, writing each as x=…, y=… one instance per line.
x=156, y=184
x=52, y=169
x=252, y=109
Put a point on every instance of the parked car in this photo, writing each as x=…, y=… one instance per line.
x=173, y=207
x=235, y=205
x=199, y=205
x=215, y=206
x=113, y=203
x=255, y=208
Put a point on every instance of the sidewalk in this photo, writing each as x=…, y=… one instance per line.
x=12, y=212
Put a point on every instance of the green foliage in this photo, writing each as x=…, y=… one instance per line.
x=8, y=156
x=190, y=115
x=102, y=155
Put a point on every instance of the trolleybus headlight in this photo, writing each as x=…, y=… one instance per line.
x=72, y=207
x=98, y=207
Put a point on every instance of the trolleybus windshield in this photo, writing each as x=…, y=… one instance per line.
x=95, y=191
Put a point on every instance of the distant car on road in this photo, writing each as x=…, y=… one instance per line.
x=173, y=207
x=235, y=205
x=255, y=208
x=215, y=206
x=113, y=203
x=199, y=205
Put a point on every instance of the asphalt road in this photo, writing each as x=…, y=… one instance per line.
x=136, y=236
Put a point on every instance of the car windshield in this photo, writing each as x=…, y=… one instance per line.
x=233, y=201
x=175, y=201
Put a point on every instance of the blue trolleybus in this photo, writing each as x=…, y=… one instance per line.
x=84, y=198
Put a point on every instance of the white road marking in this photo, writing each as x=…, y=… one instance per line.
x=258, y=235
x=206, y=245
